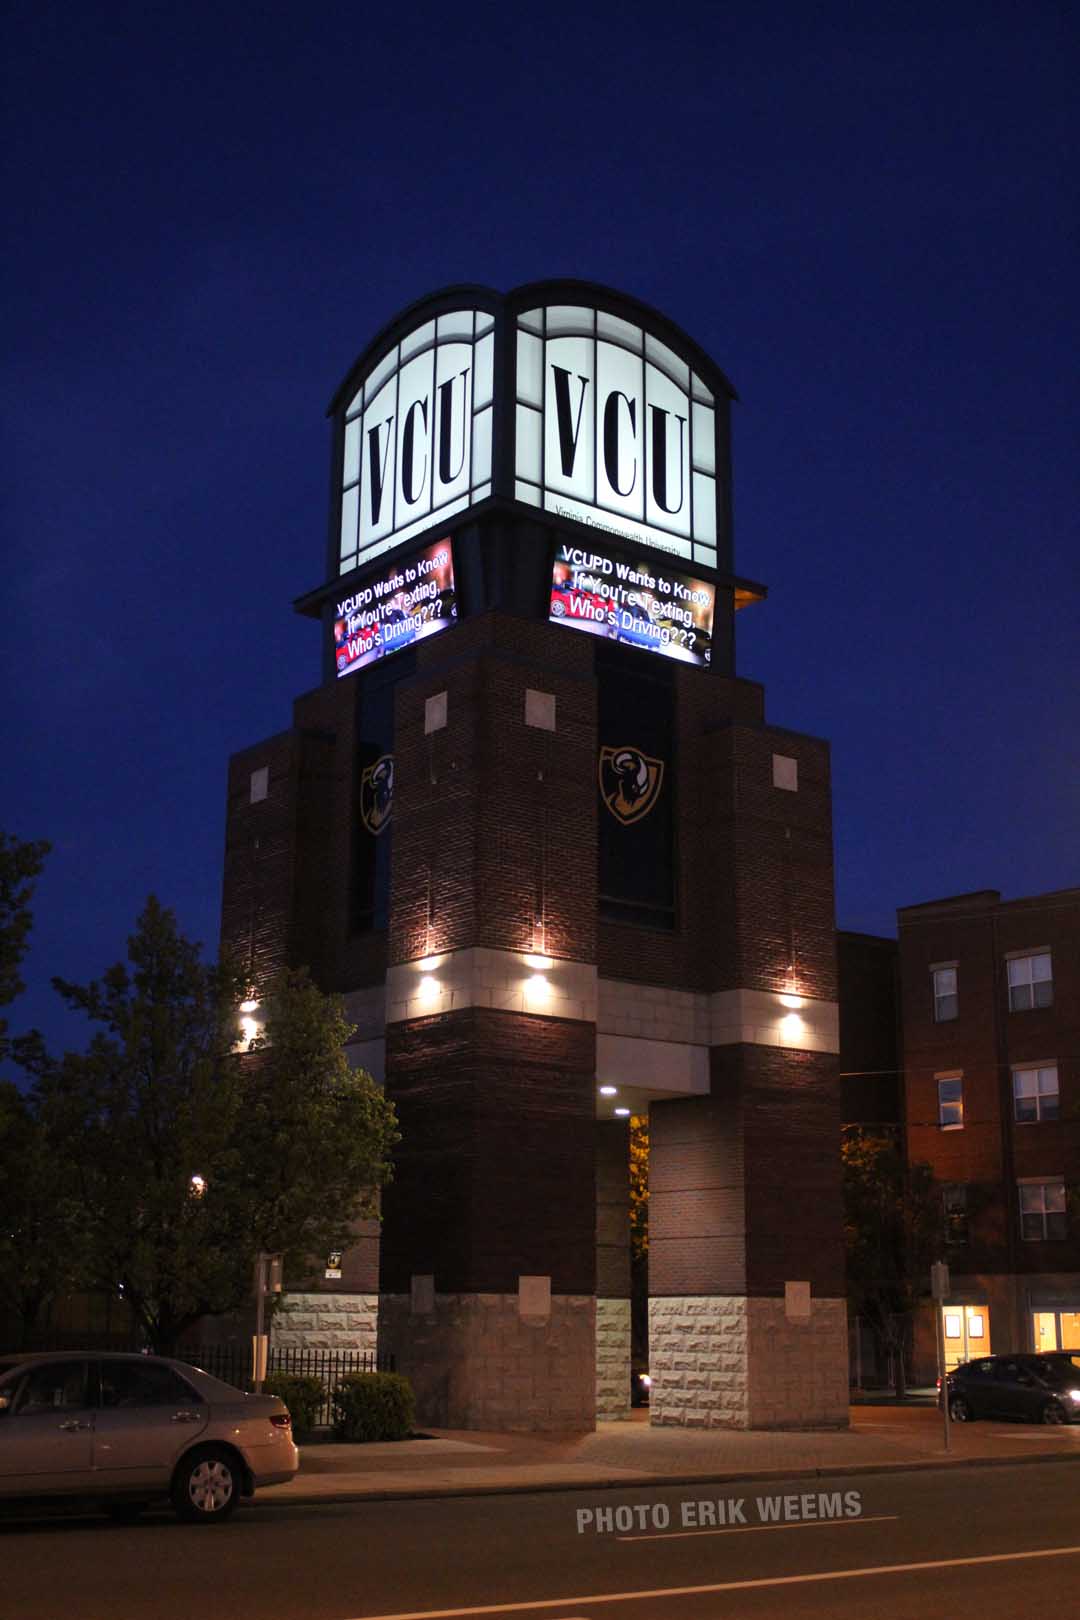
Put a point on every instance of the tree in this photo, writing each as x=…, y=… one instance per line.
x=37, y=1229
x=894, y=1221
x=191, y=1155
x=40, y=1226
x=20, y=864
x=639, y=1241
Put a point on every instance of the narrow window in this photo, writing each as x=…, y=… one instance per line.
x=954, y=1198
x=946, y=1000
x=950, y=1092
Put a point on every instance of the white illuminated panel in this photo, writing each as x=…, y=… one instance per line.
x=418, y=435
x=615, y=431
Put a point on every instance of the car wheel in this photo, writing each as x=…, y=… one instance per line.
x=206, y=1486
x=959, y=1410
x=125, y=1512
x=1053, y=1412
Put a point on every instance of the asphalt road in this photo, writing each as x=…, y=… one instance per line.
x=972, y=1543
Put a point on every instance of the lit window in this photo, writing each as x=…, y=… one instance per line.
x=954, y=1199
x=954, y=1327
x=1035, y=1093
x=946, y=1000
x=950, y=1094
x=1042, y=1210
x=1031, y=982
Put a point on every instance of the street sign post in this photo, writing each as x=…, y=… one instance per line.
x=268, y=1276
x=939, y=1288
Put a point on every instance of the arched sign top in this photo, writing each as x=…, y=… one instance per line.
x=562, y=396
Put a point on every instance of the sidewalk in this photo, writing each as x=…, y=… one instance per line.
x=455, y=1463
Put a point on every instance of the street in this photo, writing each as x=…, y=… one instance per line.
x=972, y=1542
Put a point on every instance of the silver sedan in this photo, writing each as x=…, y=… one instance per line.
x=128, y=1429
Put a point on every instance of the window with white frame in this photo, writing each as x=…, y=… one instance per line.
x=1042, y=1210
x=950, y=1101
x=955, y=1201
x=1035, y=1092
x=1031, y=981
x=946, y=1000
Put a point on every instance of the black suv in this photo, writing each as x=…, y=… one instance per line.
x=1029, y=1388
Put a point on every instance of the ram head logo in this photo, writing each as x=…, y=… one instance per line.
x=630, y=782
x=377, y=794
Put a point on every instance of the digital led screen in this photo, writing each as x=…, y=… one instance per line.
x=633, y=602
x=412, y=599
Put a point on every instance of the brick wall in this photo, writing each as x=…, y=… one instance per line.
x=495, y=824
x=495, y=1173
x=977, y=931
x=744, y=1185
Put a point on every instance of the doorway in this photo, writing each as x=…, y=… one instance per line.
x=966, y=1330
x=1055, y=1330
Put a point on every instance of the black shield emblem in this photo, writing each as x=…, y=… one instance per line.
x=630, y=782
x=377, y=794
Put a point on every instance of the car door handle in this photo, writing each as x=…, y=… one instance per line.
x=73, y=1423
x=185, y=1417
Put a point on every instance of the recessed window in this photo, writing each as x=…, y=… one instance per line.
x=950, y=1093
x=1035, y=1093
x=954, y=1199
x=1031, y=981
x=946, y=1000
x=1042, y=1210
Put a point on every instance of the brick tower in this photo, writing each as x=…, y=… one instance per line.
x=538, y=834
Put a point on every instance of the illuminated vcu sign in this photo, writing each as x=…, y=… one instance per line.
x=417, y=443
x=563, y=398
x=615, y=430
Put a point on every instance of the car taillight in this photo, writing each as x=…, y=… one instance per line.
x=281, y=1420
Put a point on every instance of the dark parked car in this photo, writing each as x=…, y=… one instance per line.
x=128, y=1429
x=1027, y=1388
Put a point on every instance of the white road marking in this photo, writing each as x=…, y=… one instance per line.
x=741, y=1529
x=721, y=1586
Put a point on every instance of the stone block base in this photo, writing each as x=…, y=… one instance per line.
x=738, y=1363
x=612, y=1358
x=475, y=1364
x=326, y=1322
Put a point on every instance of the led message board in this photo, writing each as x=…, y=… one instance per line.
x=633, y=602
x=614, y=430
x=417, y=435
x=412, y=599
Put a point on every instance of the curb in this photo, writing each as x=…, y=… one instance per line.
x=657, y=1481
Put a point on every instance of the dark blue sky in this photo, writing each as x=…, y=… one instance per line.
x=866, y=213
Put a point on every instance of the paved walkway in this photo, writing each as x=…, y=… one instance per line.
x=455, y=1463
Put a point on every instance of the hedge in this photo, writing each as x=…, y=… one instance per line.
x=373, y=1406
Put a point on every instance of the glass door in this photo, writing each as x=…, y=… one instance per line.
x=967, y=1333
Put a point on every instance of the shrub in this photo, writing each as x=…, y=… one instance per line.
x=373, y=1406
x=302, y=1394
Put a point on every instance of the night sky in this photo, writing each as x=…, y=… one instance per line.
x=866, y=213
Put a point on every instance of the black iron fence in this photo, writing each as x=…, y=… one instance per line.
x=232, y=1364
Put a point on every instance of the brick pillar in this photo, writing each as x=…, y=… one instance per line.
x=489, y=1226
x=747, y=1309
x=613, y=1268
